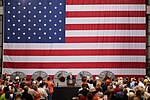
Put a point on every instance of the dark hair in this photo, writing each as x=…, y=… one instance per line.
x=138, y=93
x=85, y=86
x=91, y=81
x=48, y=78
x=90, y=96
x=10, y=80
x=41, y=85
x=39, y=78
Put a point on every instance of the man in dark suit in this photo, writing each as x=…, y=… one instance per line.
x=70, y=79
x=70, y=76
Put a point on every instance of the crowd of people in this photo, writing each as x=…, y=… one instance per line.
x=106, y=89
x=116, y=89
x=23, y=89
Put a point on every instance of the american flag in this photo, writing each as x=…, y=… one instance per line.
x=75, y=36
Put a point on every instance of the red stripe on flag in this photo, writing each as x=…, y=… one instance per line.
x=54, y=65
x=106, y=14
x=105, y=26
x=82, y=2
x=73, y=52
x=105, y=39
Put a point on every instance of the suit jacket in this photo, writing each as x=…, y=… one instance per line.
x=68, y=77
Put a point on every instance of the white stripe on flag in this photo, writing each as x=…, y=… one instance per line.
x=93, y=71
x=74, y=59
x=120, y=7
x=106, y=20
x=87, y=33
x=75, y=46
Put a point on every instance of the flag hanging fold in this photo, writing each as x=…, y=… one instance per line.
x=75, y=35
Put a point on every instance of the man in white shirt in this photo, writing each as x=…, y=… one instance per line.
x=140, y=84
x=42, y=91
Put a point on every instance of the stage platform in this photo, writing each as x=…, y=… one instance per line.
x=65, y=93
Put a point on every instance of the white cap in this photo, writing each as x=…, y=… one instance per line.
x=40, y=82
x=97, y=78
x=34, y=82
x=17, y=77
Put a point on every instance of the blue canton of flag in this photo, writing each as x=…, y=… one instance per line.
x=34, y=21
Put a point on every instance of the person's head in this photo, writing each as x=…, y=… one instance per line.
x=98, y=86
x=39, y=78
x=138, y=93
x=101, y=95
x=125, y=91
x=70, y=73
x=88, y=78
x=91, y=81
x=26, y=89
x=32, y=79
x=34, y=87
x=41, y=85
x=121, y=88
x=28, y=84
x=84, y=86
x=48, y=78
x=84, y=79
x=108, y=81
x=131, y=95
x=117, y=85
x=18, y=95
x=109, y=87
x=111, y=91
x=136, y=98
x=89, y=96
x=25, y=79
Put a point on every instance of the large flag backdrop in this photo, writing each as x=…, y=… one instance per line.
x=75, y=35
